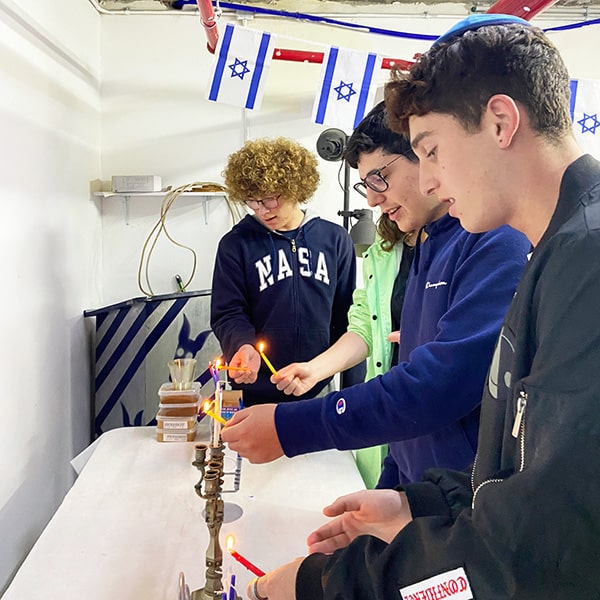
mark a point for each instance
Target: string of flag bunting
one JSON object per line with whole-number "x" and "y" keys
{"x": 242, "y": 59}
{"x": 347, "y": 84}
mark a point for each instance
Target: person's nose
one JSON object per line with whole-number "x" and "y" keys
{"x": 374, "y": 198}
{"x": 261, "y": 208}
{"x": 428, "y": 182}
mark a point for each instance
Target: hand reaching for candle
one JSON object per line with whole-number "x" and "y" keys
{"x": 251, "y": 432}
{"x": 247, "y": 357}
{"x": 296, "y": 378}
{"x": 279, "y": 584}
{"x": 381, "y": 513}
{"x": 394, "y": 337}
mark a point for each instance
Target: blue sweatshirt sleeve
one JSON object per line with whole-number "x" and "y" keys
{"x": 443, "y": 379}
{"x": 229, "y": 311}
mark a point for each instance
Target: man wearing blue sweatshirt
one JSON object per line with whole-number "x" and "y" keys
{"x": 427, "y": 406}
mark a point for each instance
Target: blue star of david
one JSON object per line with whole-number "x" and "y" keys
{"x": 239, "y": 68}
{"x": 591, "y": 128}
{"x": 339, "y": 89}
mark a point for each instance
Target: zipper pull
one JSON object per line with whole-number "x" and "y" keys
{"x": 521, "y": 404}
{"x": 293, "y": 245}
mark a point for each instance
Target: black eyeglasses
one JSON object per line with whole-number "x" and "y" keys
{"x": 268, "y": 202}
{"x": 374, "y": 180}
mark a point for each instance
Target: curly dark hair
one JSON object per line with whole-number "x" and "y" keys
{"x": 457, "y": 77}
{"x": 271, "y": 166}
{"x": 371, "y": 134}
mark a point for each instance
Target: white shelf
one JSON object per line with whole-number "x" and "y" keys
{"x": 203, "y": 196}
{"x": 207, "y": 195}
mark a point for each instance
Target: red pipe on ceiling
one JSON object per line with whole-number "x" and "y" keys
{"x": 207, "y": 16}
{"x": 508, "y": 7}
{"x": 317, "y": 57}
{"x": 519, "y": 8}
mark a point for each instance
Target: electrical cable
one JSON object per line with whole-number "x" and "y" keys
{"x": 160, "y": 227}
{"x": 339, "y": 176}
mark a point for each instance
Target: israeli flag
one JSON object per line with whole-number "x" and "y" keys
{"x": 347, "y": 90}
{"x": 242, "y": 60}
{"x": 585, "y": 106}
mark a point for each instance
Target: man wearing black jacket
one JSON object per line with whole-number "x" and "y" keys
{"x": 487, "y": 109}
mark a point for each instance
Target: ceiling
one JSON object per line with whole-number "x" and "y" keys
{"x": 319, "y": 7}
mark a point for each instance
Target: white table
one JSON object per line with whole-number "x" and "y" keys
{"x": 132, "y": 521}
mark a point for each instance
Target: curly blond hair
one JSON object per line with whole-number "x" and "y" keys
{"x": 271, "y": 166}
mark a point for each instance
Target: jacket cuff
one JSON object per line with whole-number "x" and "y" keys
{"x": 299, "y": 426}
{"x": 232, "y": 345}
{"x": 425, "y": 499}
{"x": 308, "y": 578}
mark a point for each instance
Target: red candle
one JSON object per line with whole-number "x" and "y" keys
{"x": 242, "y": 559}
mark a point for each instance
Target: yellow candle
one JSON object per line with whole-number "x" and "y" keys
{"x": 264, "y": 357}
{"x": 216, "y": 417}
{"x": 210, "y": 413}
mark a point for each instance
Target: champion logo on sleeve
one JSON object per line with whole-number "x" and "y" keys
{"x": 452, "y": 584}
{"x": 437, "y": 284}
{"x": 340, "y": 406}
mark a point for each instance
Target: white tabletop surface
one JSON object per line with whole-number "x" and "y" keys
{"x": 132, "y": 521}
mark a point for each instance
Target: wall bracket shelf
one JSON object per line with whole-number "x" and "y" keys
{"x": 204, "y": 197}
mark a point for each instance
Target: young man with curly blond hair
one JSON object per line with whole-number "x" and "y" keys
{"x": 282, "y": 275}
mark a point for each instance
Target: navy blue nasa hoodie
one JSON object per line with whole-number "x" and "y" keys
{"x": 291, "y": 291}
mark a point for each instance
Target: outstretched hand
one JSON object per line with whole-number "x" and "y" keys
{"x": 295, "y": 378}
{"x": 251, "y": 432}
{"x": 279, "y": 584}
{"x": 247, "y": 357}
{"x": 381, "y": 513}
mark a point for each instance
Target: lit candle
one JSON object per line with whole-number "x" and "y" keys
{"x": 241, "y": 559}
{"x": 216, "y": 433}
{"x": 264, "y": 357}
{"x": 214, "y": 372}
{"x": 210, "y": 413}
{"x": 229, "y": 368}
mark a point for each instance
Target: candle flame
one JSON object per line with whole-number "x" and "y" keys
{"x": 261, "y": 347}
{"x": 229, "y": 541}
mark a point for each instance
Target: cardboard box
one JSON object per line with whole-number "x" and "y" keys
{"x": 136, "y": 183}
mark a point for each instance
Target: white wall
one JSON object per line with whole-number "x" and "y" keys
{"x": 84, "y": 97}
{"x": 157, "y": 121}
{"x": 49, "y": 244}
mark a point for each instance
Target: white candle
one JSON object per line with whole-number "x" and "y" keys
{"x": 216, "y": 433}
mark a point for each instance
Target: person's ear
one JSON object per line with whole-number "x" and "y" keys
{"x": 505, "y": 117}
